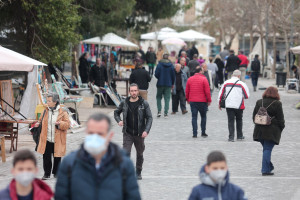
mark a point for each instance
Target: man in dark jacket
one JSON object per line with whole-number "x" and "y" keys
{"x": 151, "y": 60}
{"x": 165, "y": 74}
{"x": 142, "y": 78}
{"x": 193, "y": 51}
{"x": 255, "y": 70}
{"x": 84, "y": 67}
{"x": 233, "y": 63}
{"x": 143, "y": 56}
{"x": 99, "y": 169}
{"x": 193, "y": 64}
{"x": 215, "y": 181}
{"x": 98, "y": 74}
{"x": 136, "y": 122}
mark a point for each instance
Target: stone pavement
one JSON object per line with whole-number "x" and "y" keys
{"x": 173, "y": 158}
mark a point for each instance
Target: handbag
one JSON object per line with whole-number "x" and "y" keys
{"x": 36, "y": 131}
{"x": 262, "y": 117}
{"x": 223, "y": 100}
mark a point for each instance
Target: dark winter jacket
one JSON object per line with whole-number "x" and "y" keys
{"x": 165, "y": 73}
{"x": 209, "y": 190}
{"x": 233, "y": 63}
{"x": 192, "y": 52}
{"x": 144, "y": 115}
{"x": 150, "y": 57}
{"x": 79, "y": 179}
{"x": 255, "y": 65}
{"x": 220, "y": 65}
{"x": 98, "y": 75}
{"x": 84, "y": 70}
{"x": 184, "y": 79}
{"x": 141, "y": 77}
{"x": 40, "y": 191}
{"x": 270, "y": 132}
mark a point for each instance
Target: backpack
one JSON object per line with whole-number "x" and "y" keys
{"x": 262, "y": 117}
{"x": 255, "y": 66}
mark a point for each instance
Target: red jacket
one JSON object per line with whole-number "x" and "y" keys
{"x": 41, "y": 191}
{"x": 244, "y": 59}
{"x": 197, "y": 89}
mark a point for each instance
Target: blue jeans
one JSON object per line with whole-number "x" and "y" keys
{"x": 267, "y": 165}
{"x": 254, "y": 78}
{"x": 195, "y": 108}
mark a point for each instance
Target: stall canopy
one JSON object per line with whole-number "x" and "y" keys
{"x": 94, "y": 40}
{"x": 296, "y": 50}
{"x": 13, "y": 61}
{"x": 111, "y": 39}
{"x": 173, "y": 44}
{"x": 192, "y": 35}
{"x": 163, "y": 34}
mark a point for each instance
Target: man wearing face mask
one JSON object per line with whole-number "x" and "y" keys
{"x": 25, "y": 185}
{"x": 55, "y": 123}
{"x": 99, "y": 169}
{"x": 215, "y": 181}
{"x": 137, "y": 121}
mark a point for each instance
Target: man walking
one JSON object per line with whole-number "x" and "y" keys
{"x": 178, "y": 91}
{"x": 184, "y": 67}
{"x": 165, "y": 74}
{"x": 193, "y": 64}
{"x": 151, "y": 60}
{"x": 224, "y": 53}
{"x": 213, "y": 68}
{"x": 233, "y": 63}
{"x": 234, "y": 103}
{"x": 255, "y": 70}
{"x": 99, "y": 169}
{"x": 208, "y": 74}
{"x": 142, "y": 78}
{"x": 98, "y": 74}
{"x": 136, "y": 122}
{"x": 243, "y": 65}
{"x": 198, "y": 96}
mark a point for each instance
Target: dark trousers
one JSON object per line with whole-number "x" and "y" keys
{"x": 235, "y": 115}
{"x": 139, "y": 144}
{"x": 179, "y": 97}
{"x": 47, "y": 160}
{"x": 195, "y": 108}
{"x": 267, "y": 165}
{"x": 254, "y": 78}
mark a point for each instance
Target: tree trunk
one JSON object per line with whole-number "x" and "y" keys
{"x": 251, "y": 40}
{"x": 262, "y": 47}
{"x": 274, "y": 55}
{"x": 287, "y": 59}
{"x": 74, "y": 66}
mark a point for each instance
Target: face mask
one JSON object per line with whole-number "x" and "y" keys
{"x": 94, "y": 144}
{"x": 25, "y": 178}
{"x": 218, "y": 176}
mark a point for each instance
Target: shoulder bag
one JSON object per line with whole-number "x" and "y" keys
{"x": 223, "y": 100}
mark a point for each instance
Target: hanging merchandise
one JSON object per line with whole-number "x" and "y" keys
{"x": 96, "y": 50}
{"x": 92, "y": 49}
{"x": 82, "y": 48}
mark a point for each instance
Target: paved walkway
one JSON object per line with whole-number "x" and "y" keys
{"x": 173, "y": 158}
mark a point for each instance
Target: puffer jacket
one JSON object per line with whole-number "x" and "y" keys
{"x": 78, "y": 178}
{"x": 165, "y": 73}
{"x": 237, "y": 95}
{"x": 144, "y": 115}
{"x": 197, "y": 89}
{"x": 40, "y": 191}
{"x": 210, "y": 190}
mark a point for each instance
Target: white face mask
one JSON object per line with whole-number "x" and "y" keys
{"x": 94, "y": 144}
{"x": 25, "y": 178}
{"x": 218, "y": 176}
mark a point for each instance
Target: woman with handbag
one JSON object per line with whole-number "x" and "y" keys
{"x": 269, "y": 122}
{"x": 55, "y": 123}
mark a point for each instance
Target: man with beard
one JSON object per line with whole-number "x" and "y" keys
{"x": 136, "y": 123}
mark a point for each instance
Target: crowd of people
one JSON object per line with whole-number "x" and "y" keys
{"x": 100, "y": 169}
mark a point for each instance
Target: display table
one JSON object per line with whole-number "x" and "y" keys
{"x": 123, "y": 79}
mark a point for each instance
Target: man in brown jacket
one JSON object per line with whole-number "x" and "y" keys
{"x": 55, "y": 123}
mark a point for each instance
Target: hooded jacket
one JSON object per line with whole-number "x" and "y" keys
{"x": 210, "y": 190}
{"x": 144, "y": 115}
{"x": 165, "y": 73}
{"x": 41, "y": 191}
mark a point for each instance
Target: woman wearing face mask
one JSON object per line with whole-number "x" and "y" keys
{"x": 25, "y": 185}
{"x": 53, "y": 136}
{"x": 215, "y": 181}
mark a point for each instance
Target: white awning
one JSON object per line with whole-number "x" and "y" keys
{"x": 94, "y": 40}
{"x": 192, "y": 35}
{"x": 111, "y": 39}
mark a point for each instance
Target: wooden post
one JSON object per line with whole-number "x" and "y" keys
{"x": 3, "y": 156}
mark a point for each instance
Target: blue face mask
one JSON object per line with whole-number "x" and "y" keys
{"x": 94, "y": 144}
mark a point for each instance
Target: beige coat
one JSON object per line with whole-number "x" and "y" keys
{"x": 60, "y": 136}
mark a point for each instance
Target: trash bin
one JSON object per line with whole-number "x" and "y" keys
{"x": 280, "y": 78}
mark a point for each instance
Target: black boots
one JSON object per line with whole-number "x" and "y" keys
{"x": 139, "y": 174}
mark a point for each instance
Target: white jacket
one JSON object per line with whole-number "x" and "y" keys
{"x": 237, "y": 95}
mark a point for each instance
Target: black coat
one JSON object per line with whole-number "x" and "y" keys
{"x": 192, "y": 52}
{"x": 98, "y": 75}
{"x": 84, "y": 70}
{"x": 141, "y": 77}
{"x": 151, "y": 57}
{"x": 233, "y": 63}
{"x": 144, "y": 115}
{"x": 271, "y": 132}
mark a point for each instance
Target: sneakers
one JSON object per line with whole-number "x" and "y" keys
{"x": 165, "y": 116}
{"x": 241, "y": 138}
{"x": 158, "y": 114}
{"x": 139, "y": 175}
{"x": 184, "y": 112}
{"x": 230, "y": 140}
{"x": 173, "y": 113}
{"x": 267, "y": 174}
{"x": 204, "y": 135}
{"x": 194, "y": 136}
{"x": 45, "y": 177}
